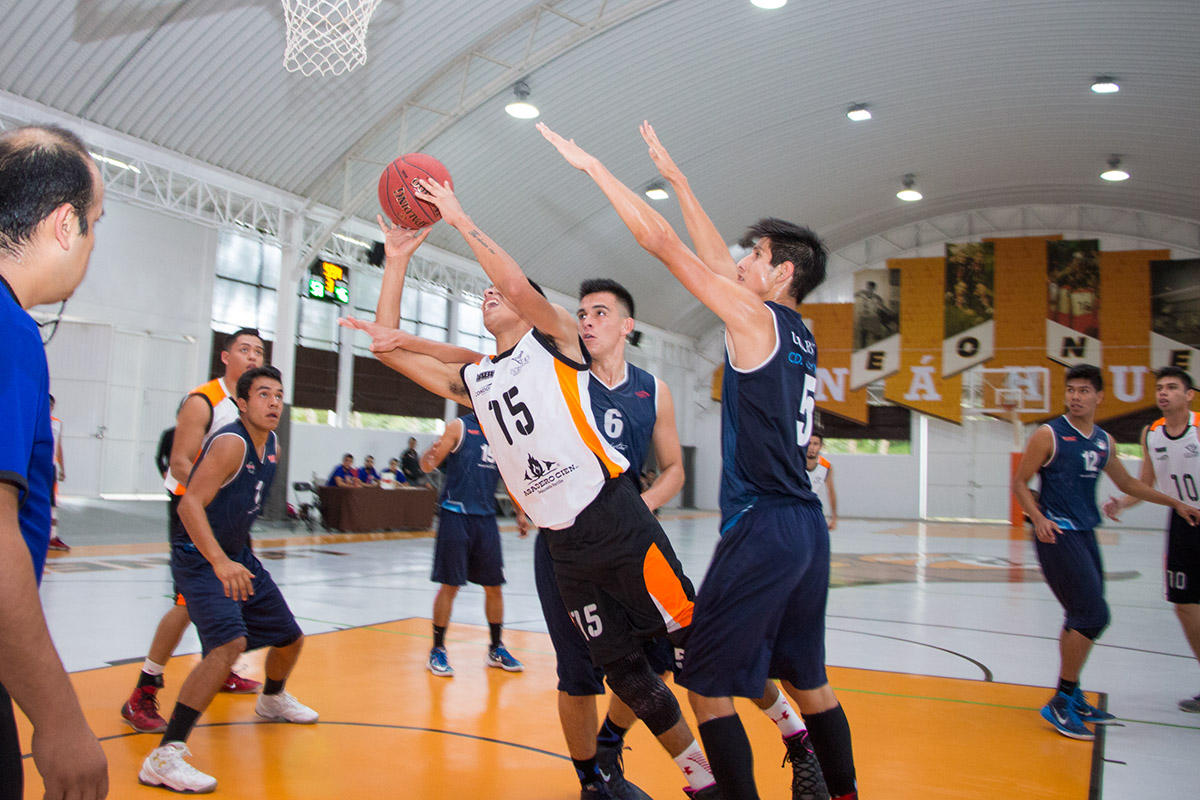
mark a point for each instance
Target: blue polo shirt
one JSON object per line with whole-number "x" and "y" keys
{"x": 340, "y": 472}
{"x": 27, "y": 447}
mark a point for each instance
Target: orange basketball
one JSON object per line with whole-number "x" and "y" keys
{"x": 398, "y": 190}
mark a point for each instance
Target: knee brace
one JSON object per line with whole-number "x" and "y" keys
{"x": 634, "y": 682}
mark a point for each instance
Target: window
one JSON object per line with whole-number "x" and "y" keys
{"x": 471, "y": 332}
{"x": 883, "y": 447}
{"x": 427, "y": 314}
{"x": 247, "y": 277}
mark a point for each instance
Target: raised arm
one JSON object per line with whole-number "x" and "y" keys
{"x": 399, "y": 244}
{"x": 506, "y": 275}
{"x": 748, "y": 322}
{"x": 432, "y": 458}
{"x": 710, "y": 247}
{"x": 667, "y": 452}
{"x": 441, "y": 378}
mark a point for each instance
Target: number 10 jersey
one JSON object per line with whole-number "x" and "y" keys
{"x": 1176, "y": 461}
{"x": 532, "y": 403}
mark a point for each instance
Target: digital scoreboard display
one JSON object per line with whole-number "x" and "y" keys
{"x": 329, "y": 282}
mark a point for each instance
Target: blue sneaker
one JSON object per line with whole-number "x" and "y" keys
{"x": 499, "y": 656}
{"x": 1060, "y": 713}
{"x": 439, "y": 663}
{"x": 1088, "y": 712}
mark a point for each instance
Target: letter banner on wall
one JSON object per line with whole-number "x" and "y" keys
{"x": 832, "y": 325}
{"x": 1073, "y": 302}
{"x": 968, "y": 318}
{"x": 876, "y": 326}
{"x": 1175, "y": 315}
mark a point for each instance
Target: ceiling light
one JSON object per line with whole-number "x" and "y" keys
{"x": 657, "y": 191}
{"x": 521, "y": 108}
{"x": 909, "y": 194}
{"x": 351, "y": 240}
{"x": 858, "y": 112}
{"x": 1105, "y": 84}
{"x": 769, "y": 4}
{"x": 115, "y": 163}
{"x": 1114, "y": 171}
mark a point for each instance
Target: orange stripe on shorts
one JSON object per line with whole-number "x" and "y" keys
{"x": 666, "y": 590}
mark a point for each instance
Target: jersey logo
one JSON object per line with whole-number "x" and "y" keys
{"x": 537, "y": 468}
{"x": 1068, "y": 438}
{"x": 1191, "y": 450}
{"x": 271, "y": 458}
{"x": 1103, "y": 445}
{"x": 250, "y": 467}
{"x": 484, "y": 375}
{"x": 642, "y": 393}
{"x": 519, "y": 361}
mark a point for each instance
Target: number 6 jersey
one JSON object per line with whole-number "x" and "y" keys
{"x": 1176, "y": 461}
{"x": 532, "y": 403}
{"x": 767, "y": 419}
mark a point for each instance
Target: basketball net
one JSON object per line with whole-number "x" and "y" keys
{"x": 326, "y": 36}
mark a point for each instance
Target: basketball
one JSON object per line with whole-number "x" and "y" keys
{"x": 398, "y": 190}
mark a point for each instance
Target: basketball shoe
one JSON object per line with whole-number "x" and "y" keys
{"x": 1088, "y": 712}
{"x": 140, "y": 711}
{"x": 807, "y": 781}
{"x": 236, "y": 684}
{"x": 283, "y": 707}
{"x": 58, "y": 544}
{"x": 612, "y": 766}
{"x": 499, "y": 656}
{"x": 596, "y": 790}
{"x": 439, "y": 663}
{"x": 707, "y": 793}
{"x": 1191, "y": 705}
{"x": 165, "y": 767}
{"x": 1060, "y": 713}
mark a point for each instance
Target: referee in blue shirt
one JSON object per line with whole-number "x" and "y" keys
{"x": 51, "y": 197}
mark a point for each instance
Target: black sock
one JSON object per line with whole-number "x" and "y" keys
{"x": 439, "y": 635}
{"x": 146, "y": 679}
{"x": 273, "y": 687}
{"x": 494, "y": 627}
{"x": 829, "y": 734}
{"x": 587, "y": 770}
{"x": 1067, "y": 687}
{"x": 611, "y": 732}
{"x": 179, "y": 728}
{"x": 730, "y": 757}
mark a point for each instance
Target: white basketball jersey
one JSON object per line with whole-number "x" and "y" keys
{"x": 1176, "y": 461}
{"x": 816, "y": 475}
{"x": 224, "y": 412}
{"x": 533, "y": 405}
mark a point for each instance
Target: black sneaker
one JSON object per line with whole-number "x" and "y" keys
{"x": 710, "y": 792}
{"x": 596, "y": 790}
{"x": 612, "y": 767}
{"x": 807, "y": 781}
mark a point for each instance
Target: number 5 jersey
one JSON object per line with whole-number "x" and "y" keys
{"x": 533, "y": 405}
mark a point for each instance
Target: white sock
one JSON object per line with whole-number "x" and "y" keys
{"x": 150, "y": 668}
{"x": 782, "y": 714}
{"x": 695, "y": 767}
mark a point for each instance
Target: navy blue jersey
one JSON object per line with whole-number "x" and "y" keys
{"x": 27, "y": 446}
{"x": 1068, "y": 479}
{"x": 237, "y": 503}
{"x": 626, "y": 415}
{"x": 767, "y": 418}
{"x": 471, "y": 472}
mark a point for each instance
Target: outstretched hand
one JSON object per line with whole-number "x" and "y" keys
{"x": 658, "y": 154}
{"x": 383, "y": 338}
{"x": 442, "y": 196}
{"x": 575, "y": 155}
{"x": 399, "y": 241}
{"x": 1112, "y": 509}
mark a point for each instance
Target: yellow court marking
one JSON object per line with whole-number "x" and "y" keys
{"x": 390, "y": 729}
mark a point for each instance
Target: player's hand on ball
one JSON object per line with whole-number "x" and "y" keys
{"x": 575, "y": 155}
{"x": 399, "y": 241}
{"x": 442, "y": 196}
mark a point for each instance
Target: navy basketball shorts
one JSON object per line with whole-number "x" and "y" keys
{"x": 618, "y": 575}
{"x": 577, "y": 675}
{"x": 264, "y": 619}
{"x": 1075, "y": 573}
{"x": 761, "y": 609}
{"x": 467, "y": 550}
{"x": 1183, "y": 561}
{"x": 172, "y": 519}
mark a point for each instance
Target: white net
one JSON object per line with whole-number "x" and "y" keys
{"x": 326, "y": 36}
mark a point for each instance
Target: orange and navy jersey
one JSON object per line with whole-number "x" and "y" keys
{"x": 224, "y": 411}
{"x": 1176, "y": 460}
{"x": 533, "y": 405}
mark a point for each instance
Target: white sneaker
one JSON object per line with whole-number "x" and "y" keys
{"x": 165, "y": 767}
{"x": 283, "y": 707}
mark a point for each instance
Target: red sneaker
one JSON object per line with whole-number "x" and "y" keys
{"x": 140, "y": 711}
{"x": 58, "y": 544}
{"x": 236, "y": 684}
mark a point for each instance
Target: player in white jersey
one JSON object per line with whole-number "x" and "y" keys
{"x": 1171, "y": 460}
{"x": 820, "y": 475}
{"x": 617, "y": 572}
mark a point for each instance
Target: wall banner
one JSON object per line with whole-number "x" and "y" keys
{"x": 969, "y": 336}
{"x": 876, "y": 326}
{"x": 832, "y": 324}
{"x": 1073, "y": 302}
{"x": 1175, "y": 315}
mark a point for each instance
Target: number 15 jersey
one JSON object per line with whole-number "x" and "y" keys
{"x": 532, "y": 403}
{"x": 767, "y": 419}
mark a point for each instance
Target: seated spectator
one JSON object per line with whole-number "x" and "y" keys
{"x": 392, "y": 476}
{"x": 410, "y": 463}
{"x": 367, "y": 475}
{"x": 344, "y": 474}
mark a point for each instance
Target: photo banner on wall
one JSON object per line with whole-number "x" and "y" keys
{"x": 1175, "y": 315}
{"x": 1073, "y": 302}
{"x": 876, "y": 326}
{"x": 968, "y": 318}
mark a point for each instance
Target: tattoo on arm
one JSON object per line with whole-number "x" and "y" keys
{"x": 477, "y": 236}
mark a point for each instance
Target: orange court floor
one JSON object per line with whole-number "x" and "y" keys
{"x": 389, "y": 728}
